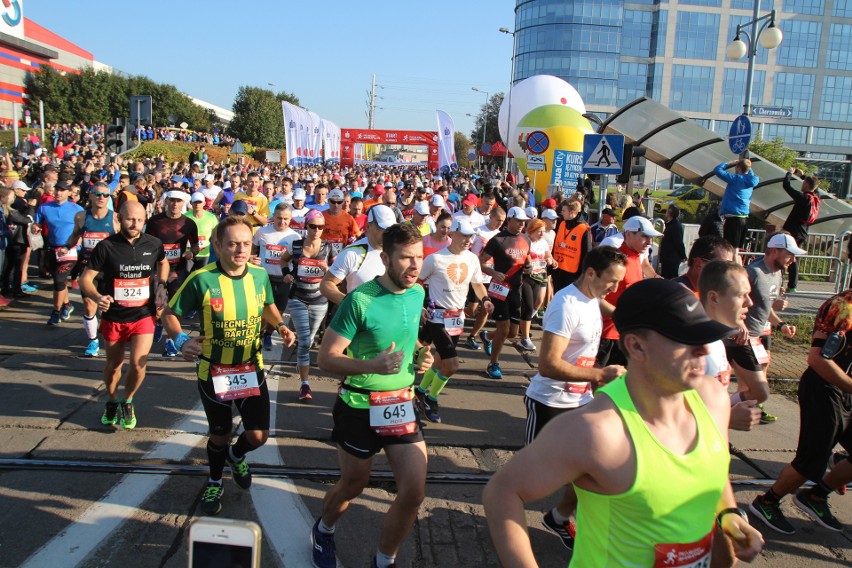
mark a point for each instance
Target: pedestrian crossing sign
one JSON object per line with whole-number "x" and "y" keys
{"x": 602, "y": 153}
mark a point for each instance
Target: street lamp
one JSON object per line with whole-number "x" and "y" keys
{"x": 769, "y": 36}
{"x": 484, "y": 120}
{"x": 509, "y": 108}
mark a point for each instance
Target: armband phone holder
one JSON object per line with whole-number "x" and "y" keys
{"x": 833, "y": 346}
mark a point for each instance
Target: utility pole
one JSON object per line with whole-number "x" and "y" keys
{"x": 371, "y": 104}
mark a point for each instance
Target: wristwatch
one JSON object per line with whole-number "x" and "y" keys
{"x": 729, "y": 511}
{"x": 485, "y": 299}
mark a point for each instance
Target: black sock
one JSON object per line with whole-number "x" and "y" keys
{"x": 241, "y": 447}
{"x": 821, "y": 490}
{"x": 216, "y": 456}
{"x": 771, "y": 496}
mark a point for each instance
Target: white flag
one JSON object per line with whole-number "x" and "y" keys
{"x": 446, "y": 141}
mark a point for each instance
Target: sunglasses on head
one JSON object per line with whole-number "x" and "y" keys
{"x": 99, "y": 194}
{"x": 316, "y": 227}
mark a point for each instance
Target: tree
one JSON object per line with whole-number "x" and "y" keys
{"x": 461, "y": 144}
{"x": 489, "y": 112}
{"x": 50, "y": 87}
{"x": 775, "y": 152}
{"x": 258, "y": 117}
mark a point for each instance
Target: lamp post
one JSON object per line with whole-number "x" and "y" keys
{"x": 769, "y": 36}
{"x": 509, "y": 108}
{"x": 484, "y": 120}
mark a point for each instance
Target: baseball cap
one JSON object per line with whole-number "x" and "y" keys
{"x": 196, "y": 197}
{"x": 356, "y": 194}
{"x": 517, "y": 213}
{"x": 786, "y": 242}
{"x": 18, "y": 184}
{"x": 382, "y": 216}
{"x": 176, "y": 178}
{"x": 335, "y": 194}
{"x": 299, "y": 194}
{"x": 531, "y": 212}
{"x": 63, "y": 185}
{"x": 209, "y": 177}
{"x": 462, "y": 226}
{"x": 437, "y": 201}
{"x": 421, "y": 207}
{"x": 388, "y": 185}
{"x": 549, "y": 214}
{"x": 608, "y": 211}
{"x": 668, "y": 308}
{"x": 183, "y": 196}
{"x": 379, "y": 190}
{"x": 642, "y": 225}
{"x": 239, "y": 207}
{"x": 549, "y": 203}
{"x": 471, "y": 199}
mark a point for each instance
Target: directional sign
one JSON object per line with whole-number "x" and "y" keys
{"x": 761, "y": 111}
{"x": 602, "y": 153}
{"x": 740, "y": 134}
{"x": 486, "y": 148}
{"x": 537, "y": 142}
{"x": 535, "y": 162}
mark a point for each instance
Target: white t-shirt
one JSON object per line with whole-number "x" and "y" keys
{"x": 550, "y": 237}
{"x": 297, "y": 222}
{"x": 271, "y": 244}
{"x": 354, "y": 267}
{"x": 476, "y": 219}
{"x": 615, "y": 241}
{"x": 716, "y": 363}
{"x": 210, "y": 193}
{"x": 449, "y": 276}
{"x": 483, "y": 235}
{"x": 572, "y": 315}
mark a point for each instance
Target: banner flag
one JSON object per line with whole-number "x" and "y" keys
{"x": 446, "y": 141}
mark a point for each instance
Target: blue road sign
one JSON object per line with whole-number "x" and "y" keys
{"x": 602, "y": 153}
{"x": 471, "y": 154}
{"x": 486, "y": 148}
{"x": 537, "y": 142}
{"x": 740, "y": 134}
{"x": 762, "y": 111}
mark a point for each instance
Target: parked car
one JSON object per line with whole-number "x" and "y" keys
{"x": 694, "y": 203}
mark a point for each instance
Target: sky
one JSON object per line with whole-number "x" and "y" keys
{"x": 426, "y": 56}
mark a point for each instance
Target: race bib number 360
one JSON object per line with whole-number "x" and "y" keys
{"x": 391, "y": 413}
{"x": 231, "y": 382}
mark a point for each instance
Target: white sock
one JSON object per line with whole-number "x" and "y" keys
{"x": 325, "y": 529}
{"x": 558, "y": 517}
{"x": 216, "y": 481}
{"x": 90, "y": 326}
{"x": 383, "y": 560}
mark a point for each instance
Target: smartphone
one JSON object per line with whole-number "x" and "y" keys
{"x": 834, "y": 344}
{"x": 223, "y": 543}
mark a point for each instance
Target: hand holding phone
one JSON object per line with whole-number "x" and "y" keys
{"x": 215, "y": 543}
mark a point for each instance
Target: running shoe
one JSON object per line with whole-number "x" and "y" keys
{"x": 267, "y": 342}
{"x": 110, "y": 416}
{"x": 483, "y": 335}
{"x": 430, "y": 409}
{"x": 836, "y": 458}
{"x": 158, "y": 332}
{"x": 211, "y": 499}
{"x": 171, "y": 349}
{"x": 323, "y": 555}
{"x": 29, "y": 288}
{"x": 472, "y": 343}
{"x": 55, "y": 318}
{"x": 765, "y": 417}
{"x": 75, "y": 284}
{"x": 4, "y": 301}
{"x": 92, "y": 349}
{"x": 66, "y": 312}
{"x": 305, "y": 392}
{"x": 526, "y": 344}
{"x": 791, "y": 291}
{"x": 20, "y": 294}
{"x": 240, "y": 472}
{"x": 566, "y": 532}
{"x": 493, "y": 371}
{"x": 128, "y": 416}
{"x": 771, "y": 515}
{"x": 817, "y": 510}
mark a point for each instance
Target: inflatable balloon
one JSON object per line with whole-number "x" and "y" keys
{"x": 529, "y": 94}
{"x": 564, "y": 128}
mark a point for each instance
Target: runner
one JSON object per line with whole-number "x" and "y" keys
{"x": 340, "y": 228}
{"x": 534, "y": 283}
{"x": 704, "y": 250}
{"x": 206, "y": 222}
{"x": 258, "y": 205}
{"x": 419, "y": 214}
{"x": 371, "y": 342}
{"x": 496, "y": 218}
{"x": 58, "y": 216}
{"x": 510, "y": 249}
{"x": 469, "y": 212}
{"x": 234, "y": 299}
{"x": 448, "y": 274}
{"x": 125, "y": 278}
{"x": 566, "y": 375}
{"x": 657, "y": 476}
{"x": 93, "y": 225}
{"x": 297, "y": 222}
{"x": 440, "y": 238}
{"x": 825, "y": 421}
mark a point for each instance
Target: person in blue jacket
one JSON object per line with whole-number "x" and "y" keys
{"x": 735, "y": 203}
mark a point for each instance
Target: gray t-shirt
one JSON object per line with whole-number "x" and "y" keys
{"x": 765, "y": 286}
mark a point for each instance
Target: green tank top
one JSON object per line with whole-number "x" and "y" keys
{"x": 673, "y": 499}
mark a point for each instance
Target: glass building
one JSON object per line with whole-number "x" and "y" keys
{"x": 615, "y": 51}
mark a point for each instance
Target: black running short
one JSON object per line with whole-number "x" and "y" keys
{"x": 352, "y": 432}
{"x": 742, "y": 355}
{"x": 539, "y": 414}
{"x": 445, "y": 344}
{"x": 254, "y": 410}
{"x": 510, "y": 308}
{"x": 610, "y": 354}
{"x": 58, "y": 270}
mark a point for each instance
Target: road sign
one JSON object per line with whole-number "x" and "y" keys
{"x": 740, "y": 134}
{"x": 537, "y": 142}
{"x": 602, "y": 153}
{"x": 486, "y": 148}
{"x": 762, "y": 111}
{"x": 471, "y": 154}
{"x": 535, "y": 163}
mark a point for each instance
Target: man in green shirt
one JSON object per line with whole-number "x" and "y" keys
{"x": 373, "y": 342}
{"x": 206, "y": 222}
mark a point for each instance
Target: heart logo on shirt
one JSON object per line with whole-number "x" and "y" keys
{"x": 457, "y": 273}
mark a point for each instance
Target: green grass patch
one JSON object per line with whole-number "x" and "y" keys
{"x": 7, "y": 137}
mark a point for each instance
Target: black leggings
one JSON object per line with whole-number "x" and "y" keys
{"x": 529, "y": 287}
{"x": 11, "y": 278}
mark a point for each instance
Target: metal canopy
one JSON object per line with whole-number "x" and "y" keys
{"x": 681, "y": 146}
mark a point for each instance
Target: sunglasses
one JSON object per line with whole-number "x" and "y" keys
{"x": 335, "y": 202}
{"x": 99, "y": 194}
{"x": 316, "y": 227}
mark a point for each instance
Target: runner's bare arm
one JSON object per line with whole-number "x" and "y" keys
{"x": 329, "y": 288}
{"x": 747, "y": 540}
{"x": 79, "y": 221}
{"x": 272, "y": 316}
{"x": 607, "y": 309}
{"x": 553, "y": 366}
{"x": 482, "y": 292}
{"x": 484, "y": 257}
{"x": 89, "y": 290}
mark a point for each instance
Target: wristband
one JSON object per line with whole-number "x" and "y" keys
{"x": 732, "y": 510}
{"x": 781, "y": 324}
{"x": 180, "y": 340}
{"x": 485, "y": 299}
{"x": 281, "y": 324}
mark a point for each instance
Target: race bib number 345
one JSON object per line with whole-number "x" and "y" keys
{"x": 231, "y": 382}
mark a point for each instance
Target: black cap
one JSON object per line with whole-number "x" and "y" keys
{"x": 669, "y": 309}
{"x": 62, "y": 185}
{"x": 240, "y": 207}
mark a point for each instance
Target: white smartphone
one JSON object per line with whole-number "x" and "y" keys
{"x": 223, "y": 543}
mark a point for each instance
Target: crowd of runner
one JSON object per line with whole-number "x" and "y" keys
{"x": 385, "y": 267}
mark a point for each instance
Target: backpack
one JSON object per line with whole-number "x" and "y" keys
{"x": 814, "y": 202}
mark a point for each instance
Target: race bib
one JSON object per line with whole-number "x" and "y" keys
{"x": 537, "y": 266}
{"x": 90, "y": 240}
{"x": 577, "y": 388}
{"x": 310, "y": 270}
{"x": 585, "y": 362}
{"x": 498, "y": 290}
{"x": 453, "y": 322}
{"x": 690, "y": 555}
{"x": 203, "y": 242}
{"x": 273, "y": 254}
{"x": 336, "y": 247}
{"x": 172, "y": 252}
{"x": 231, "y": 382}
{"x": 760, "y": 352}
{"x": 131, "y": 292}
{"x": 299, "y": 227}
{"x": 391, "y": 413}
{"x": 69, "y": 256}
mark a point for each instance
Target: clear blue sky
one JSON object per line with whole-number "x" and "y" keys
{"x": 426, "y": 55}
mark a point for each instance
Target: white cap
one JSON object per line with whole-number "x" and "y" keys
{"x": 549, "y": 214}
{"x": 18, "y": 184}
{"x": 642, "y": 225}
{"x": 531, "y": 212}
{"x": 196, "y": 197}
{"x": 437, "y": 201}
{"x": 381, "y": 215}
{"x": 517, "y": 213}
{"x": 463, "y": 226}
{"x": 335, "y": 194}
{"x": 786, "y": 242}
{"x": 299, "y": 194}
{"x": 177, "y": 195}
{"x": 209, "y": 177}
{"x": 421, "y": 207}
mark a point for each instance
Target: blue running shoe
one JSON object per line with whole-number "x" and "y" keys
{"x": 483, "y": 335}
{"x": 66, "y": 312}
{"x": 54, "y": 319}
{"x": 493, "y": 371}
{"x": 323, "y": 555}
{"x": 171, "y": 350}
{"x": 29, "y": 288}
{"x": 92, "y": 349}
